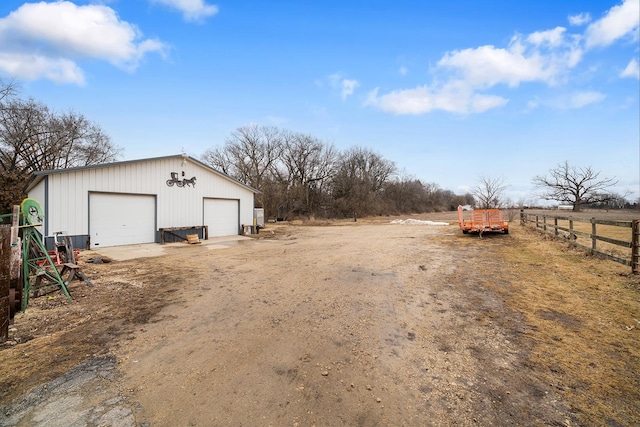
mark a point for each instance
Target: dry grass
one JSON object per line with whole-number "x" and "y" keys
{"x": 584, "y": 319}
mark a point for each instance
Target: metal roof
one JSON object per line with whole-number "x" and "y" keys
{"x": 38, "y": 176}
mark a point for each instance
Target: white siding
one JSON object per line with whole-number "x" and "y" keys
{"x": 68, "y": 192}
{"x": 38, "y": 194}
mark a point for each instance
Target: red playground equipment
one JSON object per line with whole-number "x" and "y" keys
{"x": 483, "y": 221}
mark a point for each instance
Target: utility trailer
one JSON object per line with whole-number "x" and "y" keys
{"x": 483, "y": 221}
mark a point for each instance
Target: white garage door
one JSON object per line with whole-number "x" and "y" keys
{"x": 121, "y": 219}
{"x": 222, "y": 216}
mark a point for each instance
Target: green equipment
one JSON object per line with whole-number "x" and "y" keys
{"x": 39, "y": 271}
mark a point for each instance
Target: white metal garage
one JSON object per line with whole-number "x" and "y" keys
{"x": 139, "y": 201}
{"x": 121, "y": 219}
{"x": 222, "y": 216}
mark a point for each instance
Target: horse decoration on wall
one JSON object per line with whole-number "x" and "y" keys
{"x": 181, "y": 182}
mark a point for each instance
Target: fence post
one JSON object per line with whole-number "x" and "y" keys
{"x": 593, "y": 235}
{"x": 635, "y": 247}
{"x": 537, "y": 222}
{"x": 522, "y": 219}
{"x": 555, "y": 226}
{"x": 571, "y": 235}
{"x": 544, "y": 223}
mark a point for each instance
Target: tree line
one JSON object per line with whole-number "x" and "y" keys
{"x": 299, "y": 175}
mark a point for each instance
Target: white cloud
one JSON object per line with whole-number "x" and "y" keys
{"x": 581, "y": 99}
{"x": 461, "y": 78}
{"x": 580, "y": 19}
{"x": 346, "y": 86}
{"x": 33, "y": 67}
{"x": 631, "y": 70}
{"x": 567, "y": 101}
{"x": 192, "y": 10}
{"x": 58, "y": 34}
{"x": 620, "y": 21}
{"x": 577, "y": 100}
{"x": 543, "y": 56}
{"x": 454, "y": 98}
{"x": 481, "y": 103}
{"x": 403, "y": 71}
{"x": 532, "y": 105}
{"x": 487, "y": 66}
{"x": 553, "y": 37}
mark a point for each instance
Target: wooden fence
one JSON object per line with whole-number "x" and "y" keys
{"x": 549, "y": 224}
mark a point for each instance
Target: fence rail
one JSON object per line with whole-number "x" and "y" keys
{"x": 549, "y": 224}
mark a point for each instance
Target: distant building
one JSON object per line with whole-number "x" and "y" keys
{"x": 565, "y": 207}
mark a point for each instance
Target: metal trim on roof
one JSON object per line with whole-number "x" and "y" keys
{"x": 41, "y": 174}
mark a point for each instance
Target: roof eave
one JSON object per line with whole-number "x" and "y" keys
{"x": 38, "y": 176}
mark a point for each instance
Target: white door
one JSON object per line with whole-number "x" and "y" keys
{"x": 222, "y": 216}
{"x": 121, "y": 219}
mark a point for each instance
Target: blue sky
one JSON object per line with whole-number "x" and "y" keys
{"x": 449, "y": 91}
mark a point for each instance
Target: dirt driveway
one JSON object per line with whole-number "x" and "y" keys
{"x": 343, "y": 324}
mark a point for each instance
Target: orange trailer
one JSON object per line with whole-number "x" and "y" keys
{"x": 483, "y": 221}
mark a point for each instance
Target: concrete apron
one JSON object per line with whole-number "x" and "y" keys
{"x": 147, "y": 250}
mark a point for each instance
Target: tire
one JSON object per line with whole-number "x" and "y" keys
{"x": 170, "y": 182}
{"x": 506, "y": 231}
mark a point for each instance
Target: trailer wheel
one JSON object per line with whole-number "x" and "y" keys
{"x": 465, "y": 231}
{"x": 506, "y": 231}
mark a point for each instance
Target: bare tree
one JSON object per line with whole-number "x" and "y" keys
{"x": 489, "y": 193}
{"x": 300, "y": 175}
{"x": 309, "y": 164}
{"x": 406, "y": 194}
{"x": 7, "y": 89}
{"x": 33, "y": 138}
{"x": 250, "y": 155}
{"x": 359, "y": 182}
{"x": 576, "y": 185}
